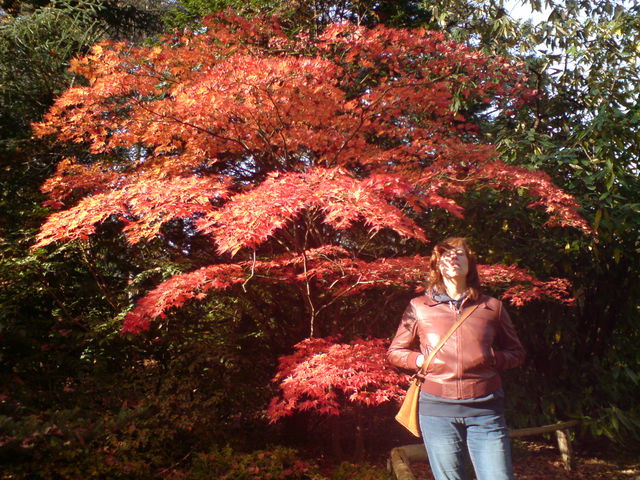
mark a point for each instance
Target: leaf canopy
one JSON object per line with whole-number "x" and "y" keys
{"x": 281, "y": 146}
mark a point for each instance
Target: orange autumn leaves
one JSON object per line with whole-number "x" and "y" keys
{"x": 282, "y": 146}
{"x": 341, "y": 200}
{"x": 142, "y": 206}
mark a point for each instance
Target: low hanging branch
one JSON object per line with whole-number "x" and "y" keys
{"x": 330, "y": 270}
{"x": 323, "y": 375}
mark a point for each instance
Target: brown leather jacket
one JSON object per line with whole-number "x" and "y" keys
{"x": 467, "y": 366}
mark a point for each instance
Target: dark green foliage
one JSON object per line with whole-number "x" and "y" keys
{"x": 35, "y": 50}
{"x": 17, "y": 7}
{"x": 312, "y": 15}
{"x": 127, "y": 408}
{"x": 583, "y": 129}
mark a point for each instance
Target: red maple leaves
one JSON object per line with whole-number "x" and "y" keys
{"x": 178, "y": 290}
{"x": 143, "y": 206}
{"x": 334, "y": 273}
{"x": 323, "y": 375}
{"x": 300, "y": 149}
{"x": 252, "y": 217}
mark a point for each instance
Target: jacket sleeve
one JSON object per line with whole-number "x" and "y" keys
{"x": 508, "y": 350}
{"x": 400, "y": 352}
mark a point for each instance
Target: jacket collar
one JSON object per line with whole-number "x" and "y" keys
{"x": 431, "y": 302}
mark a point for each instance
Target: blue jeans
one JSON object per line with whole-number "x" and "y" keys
{"x": 485, "y": 438}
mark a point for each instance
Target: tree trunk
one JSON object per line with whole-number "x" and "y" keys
{"x": 336, "y": 437}
{"x": 359, "y": 440}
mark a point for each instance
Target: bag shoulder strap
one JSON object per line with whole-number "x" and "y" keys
{"x": 446, "y": 336}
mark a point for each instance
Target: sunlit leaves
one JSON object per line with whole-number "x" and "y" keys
{"x": 178, "y": 290}
{"x": 561, "y": 207}
{"x": 142, "y": 207}
{"x": 294, "y": 151}
{"x": 322, "y": 375}
{"x": 250, "y": 218}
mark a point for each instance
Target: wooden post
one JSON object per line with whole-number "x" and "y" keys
{"x": 400, "y": 464}
{"x": 564, "y": 445}
{"x": 562, "y": 435}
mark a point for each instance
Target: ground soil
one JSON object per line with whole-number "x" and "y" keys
{"x": 541, "y": 461}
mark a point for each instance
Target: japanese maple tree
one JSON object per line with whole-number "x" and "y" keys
{"x": 291, "y": 156}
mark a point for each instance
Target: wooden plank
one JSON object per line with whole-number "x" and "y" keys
{"x": 524, "y": 432}
{"x": 415, "y": 452}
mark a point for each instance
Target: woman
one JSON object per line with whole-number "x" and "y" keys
{"x": 461, "y": 405}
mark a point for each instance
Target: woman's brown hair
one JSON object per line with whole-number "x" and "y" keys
{"x": 435, "y": 283}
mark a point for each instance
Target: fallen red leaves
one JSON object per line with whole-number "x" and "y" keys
{"x": 540, "y": 461}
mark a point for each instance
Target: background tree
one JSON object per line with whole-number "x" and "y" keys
{"x": 35, "y": 49}
{"x": 311, "y": 15}
{"x": 582, "y": 129}
{"x": 60, "y": 352}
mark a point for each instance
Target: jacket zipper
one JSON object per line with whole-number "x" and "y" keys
{"x": 458, "y": 313}
{"x": 458, "y": 359}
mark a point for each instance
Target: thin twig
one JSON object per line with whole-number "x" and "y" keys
{"x": 160, "y": 473}
{"x": 253, "y": 270}
{"x": 308, "y": 286}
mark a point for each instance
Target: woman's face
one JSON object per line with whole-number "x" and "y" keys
{"x": 454, "y": 263}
